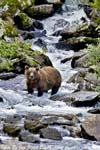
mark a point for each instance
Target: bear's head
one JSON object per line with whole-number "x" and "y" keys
{"x": 32, "y": 73}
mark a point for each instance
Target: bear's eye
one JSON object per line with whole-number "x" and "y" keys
{"x": 37, "y": 69}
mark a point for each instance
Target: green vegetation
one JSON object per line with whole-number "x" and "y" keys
{"x": 95, "y": 14}
{"x": 25, "y": 20}
{"x": 94, "y": 3}
{"x": 15, "y": 5}
{"x": 94, "y": 59}
{"x": 7, "y": 29}
{"x": 12, "y": 52}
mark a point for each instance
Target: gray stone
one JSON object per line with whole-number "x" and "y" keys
{"x": 50, "y": 133}
{"x": 85, "y": 98}
{"x": 55, "y": 120}
{"x": 40, "y": 11}
{"x": 78, "y": 99}
{"x": 28, "y": 137}
{"x": 91, "y": 127}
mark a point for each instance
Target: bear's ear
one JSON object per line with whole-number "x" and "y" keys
{"x": 26, "y": 67}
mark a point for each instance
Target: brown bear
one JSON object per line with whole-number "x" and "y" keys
{"x": 42, "y": 79}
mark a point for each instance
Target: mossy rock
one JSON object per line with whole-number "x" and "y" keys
{"x": 11, "y": 129}
{"x": 22, "y": 21}
{"x": 40, "y": 11}
{"x": 14, "y": 5}
{"x": 34, "y": 126}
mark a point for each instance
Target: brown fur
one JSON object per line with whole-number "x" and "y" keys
{"x": 42, "y": 79}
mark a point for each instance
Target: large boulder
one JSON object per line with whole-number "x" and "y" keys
{"x": 28, "y": 137}
{"x": 85, "y": 98}
{"x": 91, "y": 127}
{"x": 50, "y": 133}
{"x": 86, "y": 29}
{"x": 56, "y": 3}
{"x": 24, "y": 22}
{"x": 80, "y": 59}
{"x": 78, "y": 36}
{"x": 34, "y": 126}
{"x": 40, "y": 11}
{"x": 79, "y": 99}
{"x": 80, "y": 42}
{"x": 11, "y": 129}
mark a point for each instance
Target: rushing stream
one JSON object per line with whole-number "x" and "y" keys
{"x": 17, "y": 101}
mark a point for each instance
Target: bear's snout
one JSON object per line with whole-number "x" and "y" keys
{"x": 32, "y": 76}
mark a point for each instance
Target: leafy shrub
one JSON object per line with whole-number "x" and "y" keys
{"x": 10, "y": 52}
{"x": 94, "y": 3}
{"x": 94, "y": 59}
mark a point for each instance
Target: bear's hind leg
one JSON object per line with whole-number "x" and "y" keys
{"x": 54, "y": 90}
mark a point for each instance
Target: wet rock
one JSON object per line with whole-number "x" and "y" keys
{"x": 54, "y": 1}
{"x": 87, "y": 8}
{"x": 11, "y": 129}
{"x": 31, "y": 34}
{"x": 82, "y": 70}
{"x": 32, "y": 116}
{"x": 10, "y": 97}
{"x": 33, "y": 126}
{"x": 1, "y": 99}
{"x": 52, "y": 120}
{"x": 74, "y": 131}
{"x": 79, "y": 99}
{"x": 78, "y": 36}
{"x": 81, "y": 62}
{"x": 41, "y": 43}
{"x": 28, "y": 137}
{"x": 87, "y": 81}
{"x": 79, "y": 59}
{"x": 37, "y": 24}
{"x": 40, "y": 59}
{"x": 67, "y": 98}
{"x": 24, "y": 22}
{"x": 92, "y": 79}
{"x": 50, "y": 133}
{"x": 85, "y": 98}
{"x": 95, "y": 110}
{"x": 40, "y": 11}
{"x": 77, "y": 43}
{"x": 43, "y": 60}
{"x": 13, "y": 119}
{"x": 66, "y": 59}
{"x": 84, "y": 30}
{"x": 6, "y": 76}
{"x": 59, "y": 24}
{"x": 76, "y": 78}
{"x": 91, "y": 127}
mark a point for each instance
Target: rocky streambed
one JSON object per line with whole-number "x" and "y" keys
{"x": 70, "y": 119}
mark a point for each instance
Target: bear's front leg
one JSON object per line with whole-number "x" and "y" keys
{"x": 30, "y": 89}
{"x": 40, "y": 92}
